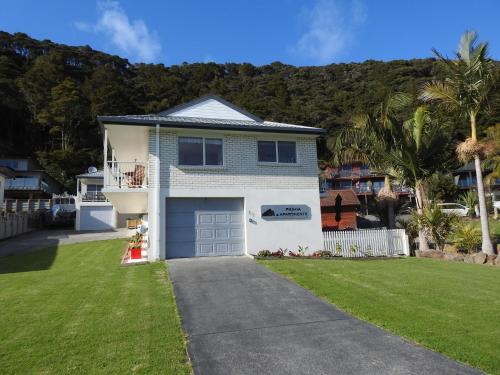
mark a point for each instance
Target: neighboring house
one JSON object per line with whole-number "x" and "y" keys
{"x": 5, "y": 174}
{"x": 358, "y": 177}
{"x": 30, "y": 181}
{"x": 93, "y": 210}
{"x": 465, "y": 178}
{"x": 213, "y": 179}
{"x": 348, "y": 207}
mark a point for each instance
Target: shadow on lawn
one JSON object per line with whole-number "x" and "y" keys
{"x": 39, "y": 260}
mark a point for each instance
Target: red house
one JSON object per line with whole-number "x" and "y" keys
{"x": 349, "y": 204}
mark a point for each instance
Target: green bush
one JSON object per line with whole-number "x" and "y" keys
{"x": 264, "y": 253}
{"x": 467, "y": 238}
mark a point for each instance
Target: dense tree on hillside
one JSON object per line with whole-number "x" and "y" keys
{"x": 39, "y": 79}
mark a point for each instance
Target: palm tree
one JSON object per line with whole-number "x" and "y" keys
{"x": 467, "y": 87}
{"x": 368, "y": 139}
{"x": 416, "y": 155}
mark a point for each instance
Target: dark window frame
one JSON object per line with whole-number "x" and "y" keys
{"x": 277, "y": 153}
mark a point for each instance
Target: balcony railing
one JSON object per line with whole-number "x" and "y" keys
{"x": 93, "y": 196}
{"x": 126, "y": 175}
{"x": 22, "y": 183}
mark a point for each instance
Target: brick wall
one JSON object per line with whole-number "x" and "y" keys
{"x": 241, "y": 168}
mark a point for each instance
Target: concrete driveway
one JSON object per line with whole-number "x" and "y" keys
{"x": 40, "y": 239}
{"x": 244, "y": 319}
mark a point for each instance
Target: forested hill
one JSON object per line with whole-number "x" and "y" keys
{"x": 50, "y": 94}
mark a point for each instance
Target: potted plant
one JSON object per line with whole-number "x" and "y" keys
{"x": 135, "y": 246}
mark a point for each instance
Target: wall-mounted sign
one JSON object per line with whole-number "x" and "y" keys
{"x": 286, "y": 212}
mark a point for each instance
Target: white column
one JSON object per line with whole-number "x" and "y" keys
{"x": 105, "y": 169}
{"x": 157, "y": 198}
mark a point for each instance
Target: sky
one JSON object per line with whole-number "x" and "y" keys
{"x": 296, "y": 32}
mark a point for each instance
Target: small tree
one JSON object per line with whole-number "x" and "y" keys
{"x": 469, "y": 199}
{"x": 435, "y": 224}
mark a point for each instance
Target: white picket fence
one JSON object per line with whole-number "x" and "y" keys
{"x": 13, "y": 224}
{"x": 367, "y": 243}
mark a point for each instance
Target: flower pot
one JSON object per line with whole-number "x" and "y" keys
{"x": 135, "y": 253}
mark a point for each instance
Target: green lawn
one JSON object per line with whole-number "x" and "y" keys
{"x": 494, "y": 226}
{"x": 76, "y": 310}
{"x": 453, "y": 308}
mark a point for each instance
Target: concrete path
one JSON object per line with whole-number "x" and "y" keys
{"x": 40, "y": 239}
{"x": 244, "y": 319}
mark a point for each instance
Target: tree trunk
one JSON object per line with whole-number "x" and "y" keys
{"x": 390, "y": 204}
{"x": 423, "y": 245}
{"x": 487, "y": 246}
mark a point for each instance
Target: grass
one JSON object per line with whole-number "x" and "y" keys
{"x": 453, "y": 308}
{"x": 74, "y": 309}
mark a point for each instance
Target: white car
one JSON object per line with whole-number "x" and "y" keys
{"x": 454, "y": 208}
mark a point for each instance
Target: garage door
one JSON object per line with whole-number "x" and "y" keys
{"x": 204, "y": 227}
{"x": 96, "y": 218}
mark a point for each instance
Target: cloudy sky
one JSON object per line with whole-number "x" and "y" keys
{"x": 298, "y": 32}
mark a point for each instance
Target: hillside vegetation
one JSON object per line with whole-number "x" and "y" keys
{"x": 50, "y": 95}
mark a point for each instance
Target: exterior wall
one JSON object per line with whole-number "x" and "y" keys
{"x": 240, "y": 177}
{"x": 347, "y": 218}
{"x": 2, "y": 187}
{"x": 240, "y": 169}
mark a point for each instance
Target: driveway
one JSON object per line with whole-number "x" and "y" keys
{"x": 40, "y": 239}
{"x": 241, "y": 318}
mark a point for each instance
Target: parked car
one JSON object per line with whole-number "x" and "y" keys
{"x": 454, "y": 208}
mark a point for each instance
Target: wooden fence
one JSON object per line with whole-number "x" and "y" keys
{"x": 14, "y": 224}
{"x": 367, "y": 243}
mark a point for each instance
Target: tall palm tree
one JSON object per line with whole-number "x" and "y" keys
{"x": 416, "y": 155}
{"x": 469, "y": 83}
{"x": 368, "y": 139}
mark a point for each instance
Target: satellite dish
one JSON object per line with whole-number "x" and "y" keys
{"x": 92, "y": 169}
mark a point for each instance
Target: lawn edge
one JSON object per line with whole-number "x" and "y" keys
{"x": 184, "y": 334}
{"x": 404, "y": 338}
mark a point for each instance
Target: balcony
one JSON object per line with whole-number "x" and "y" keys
{"x": 22, "y": 183}
{"x": 125, "y": 186}
{"x": 93, "y": 196}
{"x": 126, "y": 175}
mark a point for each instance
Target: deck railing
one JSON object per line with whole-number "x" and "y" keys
{"x": 125, "y": 175}
{"x": 367, "y": 243}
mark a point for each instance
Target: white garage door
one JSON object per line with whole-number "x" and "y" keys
{"x": 96, "y": 218}
{"x": 204, "y": 227}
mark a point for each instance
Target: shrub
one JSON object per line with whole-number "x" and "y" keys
{"x": 436, "y": 224}
{"x": 302, "y": 250}
{"x": 294, "y": 254}
{"x": 279, "y": 253}
{"x": 322, "y": 254}
{"x": 264, "y": 253}
{"x": 467, "y": 238}
{"x": 470, "y": 200}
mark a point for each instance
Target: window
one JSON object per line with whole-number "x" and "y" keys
{"x": 277, "y": 152}
{"x": 94, "y": 187}
{"x": 200, "y": 151}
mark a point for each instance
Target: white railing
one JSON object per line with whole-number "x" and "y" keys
{"x": 124, "y": 175}
{"x": 367, "y": 243}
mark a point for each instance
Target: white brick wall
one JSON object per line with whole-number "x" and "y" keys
{"x": 241, "y": 168}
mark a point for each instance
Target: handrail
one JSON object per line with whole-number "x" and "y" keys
{"x": 126, "y": 175}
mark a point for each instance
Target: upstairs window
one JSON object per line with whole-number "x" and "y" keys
{"x": 199, "y": 151}
{"x": 277, "y": 152}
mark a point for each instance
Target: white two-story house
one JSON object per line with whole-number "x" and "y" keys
{"x": 212, "y": 179}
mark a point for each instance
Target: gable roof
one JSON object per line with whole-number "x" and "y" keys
{"x": 349, "y": 198}
{"x": 172, "y": 119}
{"x": 184, "y": 109}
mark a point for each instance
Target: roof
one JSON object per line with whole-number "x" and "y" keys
{"x": 98, "y": 174}
{"x": 7, "y": 172}
{"x": 349, "y": 198}
{"x": 469, "y": 167}
{"x": 164, "y": 119}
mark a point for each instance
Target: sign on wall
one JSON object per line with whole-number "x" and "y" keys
{"x": 285, "y": 212}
